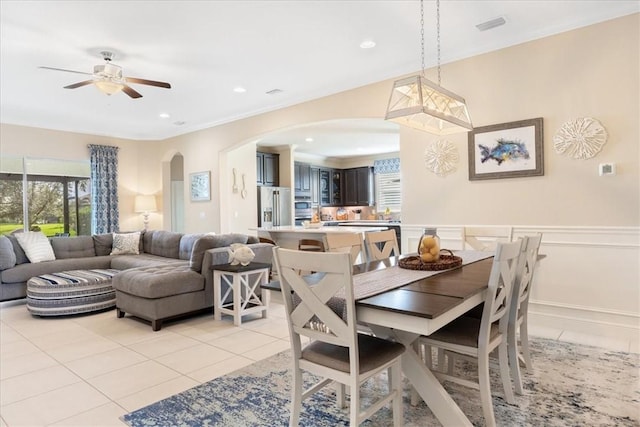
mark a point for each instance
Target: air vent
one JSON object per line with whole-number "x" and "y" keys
{"x": 491, "y": 24}
{"x": 274, "y": 91}
{"x": 179, "y": 123}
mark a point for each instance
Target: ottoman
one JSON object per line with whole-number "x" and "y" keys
{"x": 71, "y": 292}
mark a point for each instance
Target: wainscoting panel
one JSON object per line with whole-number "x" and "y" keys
{"x": 589, "y": 281}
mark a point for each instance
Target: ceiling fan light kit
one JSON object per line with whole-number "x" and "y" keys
{"x": 421, "y": 104}
{"x": 108, "y": 78}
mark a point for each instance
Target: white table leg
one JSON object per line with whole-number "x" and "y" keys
{"x": 237, "y": 299}
{"x": 426, "y": 384}
{"x": 265, "y": 294}
{"x": 217, "y": 289}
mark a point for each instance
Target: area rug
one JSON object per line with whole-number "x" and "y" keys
{"x": 570, "y": 385}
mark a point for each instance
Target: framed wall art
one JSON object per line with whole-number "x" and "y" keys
{"x": 200, "y": 185}
{"x": 507, "y": 150}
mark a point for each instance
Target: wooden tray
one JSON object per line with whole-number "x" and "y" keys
{"x": 444, "y": 263}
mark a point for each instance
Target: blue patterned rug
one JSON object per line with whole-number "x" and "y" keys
{"x": 570, "y": 385}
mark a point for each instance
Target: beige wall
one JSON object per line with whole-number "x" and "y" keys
{"x": 589, "y": 72}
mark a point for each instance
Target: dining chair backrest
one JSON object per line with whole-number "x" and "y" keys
{"x": 306, "y": 302}
{"x": 321, "y": 307}
{"x": 351, "y": 243}
{"x": 500, "y": 287}
{"x": 520, "y": 307}
{"x": 524, "y": 276}
{"x": 381, "y": 244}
{"x": 485, "y": 238}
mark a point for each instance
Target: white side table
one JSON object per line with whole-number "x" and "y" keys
{"x": 242, "y": 282}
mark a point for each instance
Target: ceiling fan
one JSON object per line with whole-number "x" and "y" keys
{"x": 108, "y": 78}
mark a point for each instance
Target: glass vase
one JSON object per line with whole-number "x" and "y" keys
{"x": 429, "y": 246}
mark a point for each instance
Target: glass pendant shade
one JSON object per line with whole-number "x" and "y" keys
{"x": 108, "y": 87}
{"x": 422, "y": 104}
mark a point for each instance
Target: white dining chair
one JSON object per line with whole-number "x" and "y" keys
{"x": 351, "y": 243}
{"x": 336, "y": 352}
{"x": 520, "y": 307}
{"x": 381, "y": 244}
{"x": 471, "y": 338}
{"x": 485, "y": 238}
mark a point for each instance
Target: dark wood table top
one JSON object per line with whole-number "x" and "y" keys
{"x": 434, "y": 295}
{"x": 429, "y": 297}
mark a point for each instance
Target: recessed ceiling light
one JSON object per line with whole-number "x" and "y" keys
{"x": 164, "y": 115}
{"x": 239, "y": 89}
{"x": 367, "y": 44}
{"x": 309, "y": 139}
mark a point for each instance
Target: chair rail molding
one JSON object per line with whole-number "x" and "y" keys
{"x": 588, "y": 282}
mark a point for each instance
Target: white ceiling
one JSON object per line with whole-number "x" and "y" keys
{"x": 307, "y": 49}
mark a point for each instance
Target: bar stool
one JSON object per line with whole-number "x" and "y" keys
{"x": 310, "y": 245}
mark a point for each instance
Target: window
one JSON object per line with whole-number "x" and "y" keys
{"x": 388, "y": 192}
{"x": 52, "y": 196}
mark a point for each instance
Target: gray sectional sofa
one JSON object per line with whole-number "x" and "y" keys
{"x": 170, "y": 276}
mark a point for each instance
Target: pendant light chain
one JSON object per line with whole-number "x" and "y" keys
{"x": 438, "y": 38}
{"x": 422, "y": 33}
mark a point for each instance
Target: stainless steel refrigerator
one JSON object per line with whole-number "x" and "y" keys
{"x": 274, "y": 206}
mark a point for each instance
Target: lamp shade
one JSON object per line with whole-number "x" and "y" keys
{"x": 145, "y": 204}
{"x": 422, "y": 104}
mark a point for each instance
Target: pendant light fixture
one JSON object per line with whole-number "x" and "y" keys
{"x": 422, "y": 104}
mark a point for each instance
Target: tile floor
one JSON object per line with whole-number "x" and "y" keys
{"x": 88, "y": 370}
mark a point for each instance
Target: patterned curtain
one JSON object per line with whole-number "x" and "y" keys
{"x": 104, "y": 189}
{"x": 386, "y": 165}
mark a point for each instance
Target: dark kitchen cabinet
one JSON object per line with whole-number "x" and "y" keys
{"x": 268, "y": 169}
{"x": 315, "y": 186}
{"x": 336, "y": 187}
{"x": 325, "y": 186}
{"x": 358, "y": 187}
{"x": 302, "y": 180}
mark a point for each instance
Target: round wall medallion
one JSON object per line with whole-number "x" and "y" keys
{"x": 581, "y": 138}
{"x": 441, "y": 157}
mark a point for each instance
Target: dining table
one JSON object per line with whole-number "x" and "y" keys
{"x": 402, "y": 304}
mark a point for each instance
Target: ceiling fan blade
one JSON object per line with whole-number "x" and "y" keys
{"x": 79, "y": 84}
{"x": 148, "y": 82}
{"x": 68, "y": 71}
{"x": 131, "y": 92}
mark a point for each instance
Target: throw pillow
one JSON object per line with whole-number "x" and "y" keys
{"x": 21, "y": 257}
{"x": 7, "y": 255}
{"x": 126, "y": 243}
{"x": 36, "y": 246}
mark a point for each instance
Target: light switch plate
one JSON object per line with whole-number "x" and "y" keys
{"x": 606, "y": 169}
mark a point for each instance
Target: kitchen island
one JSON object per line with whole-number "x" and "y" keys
{"x": 287, "y": 236}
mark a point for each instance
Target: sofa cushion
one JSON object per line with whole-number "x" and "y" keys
{"x": 158, "y": 281}
{"x": 21, "y": 257}
{"x": 23, "y": 272}
{"x": 165, "y": 243}
{"x": 73, "y": 247}
{"x": 186, "y": 245}
{"x": 103, "y": 243}
{"x": 127, "y": 243}
{"x": 207, "y": 242}
{"x": 36, "y": 246}
{"x": 125, "y": 262}
{"x": 7, "y": 255}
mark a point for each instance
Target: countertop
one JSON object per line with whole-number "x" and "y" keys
{"x": 365, "y": 223}
{"x": 322, "y": 230}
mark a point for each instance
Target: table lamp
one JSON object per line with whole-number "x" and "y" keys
{"x": 145, "y": 204}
